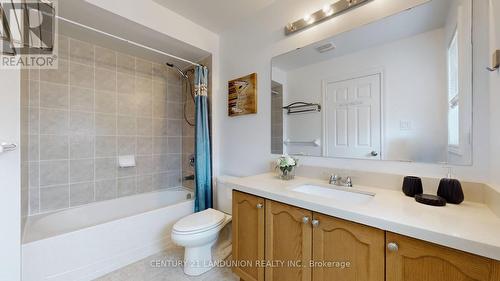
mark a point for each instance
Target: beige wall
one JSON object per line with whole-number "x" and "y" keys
{"x": 98, "y": 105}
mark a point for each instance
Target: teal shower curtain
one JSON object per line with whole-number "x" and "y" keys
{"x": 203, "y": 160}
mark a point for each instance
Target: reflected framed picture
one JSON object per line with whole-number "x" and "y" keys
{"x": 242, "y": 95}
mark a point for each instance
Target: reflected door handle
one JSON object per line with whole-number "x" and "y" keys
{"x": 374, "y": 153}
{"x": 259, "y": 206}
{"x": 6, "y": 147}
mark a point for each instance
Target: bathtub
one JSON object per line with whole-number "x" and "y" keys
{"x": 86, "y": 242}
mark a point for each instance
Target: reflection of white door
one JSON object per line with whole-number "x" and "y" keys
{"x": 352, "y": 117}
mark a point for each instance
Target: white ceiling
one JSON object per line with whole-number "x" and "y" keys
{"x": 426, "y": 17}
{"x": 215, "y": 15}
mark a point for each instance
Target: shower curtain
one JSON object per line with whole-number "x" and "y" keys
{"x": 203, "y": 160}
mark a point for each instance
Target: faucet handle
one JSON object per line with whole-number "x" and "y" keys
{"x": 348, "y": 182}
{"x": 334, "y": 179}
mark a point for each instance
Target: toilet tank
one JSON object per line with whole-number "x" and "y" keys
{"x": 224, "y": 195}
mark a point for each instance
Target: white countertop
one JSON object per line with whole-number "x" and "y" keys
{"x": 470, "y": 227}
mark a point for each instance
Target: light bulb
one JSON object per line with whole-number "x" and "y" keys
{"x": 327, "y": 10}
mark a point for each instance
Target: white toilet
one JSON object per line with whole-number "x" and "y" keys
{"x": 199, "y": 232}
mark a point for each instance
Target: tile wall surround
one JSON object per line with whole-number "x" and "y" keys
{"x": 97, "y": 105}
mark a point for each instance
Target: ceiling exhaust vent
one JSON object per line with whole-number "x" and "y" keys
{"x": 325, "y": 47}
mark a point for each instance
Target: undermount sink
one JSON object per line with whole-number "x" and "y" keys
{"x": 337, "y": 193}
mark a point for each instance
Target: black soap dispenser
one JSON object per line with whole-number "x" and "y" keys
{"x": 451, "y": 189}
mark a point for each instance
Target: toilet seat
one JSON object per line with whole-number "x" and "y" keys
{"x": 199, "y": 222}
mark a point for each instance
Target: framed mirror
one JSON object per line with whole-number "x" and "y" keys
{"x": 397, "y": 89}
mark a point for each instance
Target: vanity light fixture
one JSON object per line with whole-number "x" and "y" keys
{"x": 327, "y": 12}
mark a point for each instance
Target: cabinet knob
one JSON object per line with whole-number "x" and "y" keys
{"x": 374, "y": 153}
{"x": 392, "y": 247}
{"x": 315, "y": 223}
{"x": 259, "y": 206}
{"x": 305, "y": 219}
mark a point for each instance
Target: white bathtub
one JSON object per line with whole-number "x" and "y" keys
{"x": 86, "y": 242}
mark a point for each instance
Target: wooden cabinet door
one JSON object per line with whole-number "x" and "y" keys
{"x": 248, "y": 236}
{"x": 288, "y": 242}
{"x": 355, "y": 251}
{"x": 409, "y": 259}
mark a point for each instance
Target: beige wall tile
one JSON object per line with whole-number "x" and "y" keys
{"x": 105, "y": 80}
{"x": 34, "y": 148}
{"x": 126, "y": 145}
{"x": 100, "y": 104}
{"x": 144, "y": 146}
{"x": 81, "y": 146}
{"x": 127, "y": 105}
{"x": 105, "y": 58}
{"x": 81, "y": 52}
{"x": 81, "y": 75}
{"x": 62, "y": 46}
{"x": 34, "y": 121}
{"x": 144, "y": 165}
{"x": 81, "y": 99}
{"x": 81, "y": 170}
{"x": 54, "y": 147}
{"x": 174, "y": 110}
{"x": 125, "y": 63}
{"x": 105, "y": 168}
{"x": 125, "y": 83}
{"x": 34, "y": 201}
{"x": 54, "y": 95}
{"x": 59, "y": 75}
{"x": 144, "y": 104}
{"x": 144, "y": 183}
{"x": 126, "y": 186}
{"x": 81, "y": 123}
{"x": 105, "y": 102}
{"x": 160, "y": 127}
{"x": 143, "y": 68}
{"x": 54, "y": 198}
{"x": 54, "y": 121}
{"x": 105, "y": 124}
{"x": 144, "y": 126}
{"x": 174, "y": 145}
{"x": 34, "y": 91}
{"x": 127, "y": 126}
{"x": 54, "y": 172}
{"x": 174, "y": 128}
{"x": 105, "y": 146}
{"x": 81, "y": 193}
{"x": 143, "y": 85}
{"x": 105, "y": 190}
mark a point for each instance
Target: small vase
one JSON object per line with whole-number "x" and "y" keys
{"x": 286, "y": 173}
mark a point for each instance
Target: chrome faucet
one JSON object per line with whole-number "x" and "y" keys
{"x": 337, "y": 180}
{"x": 334, "y": 179}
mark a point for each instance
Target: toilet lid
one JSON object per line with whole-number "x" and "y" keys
{"x": 206, "y": 219}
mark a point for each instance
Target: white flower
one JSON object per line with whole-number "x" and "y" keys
{"x": 290, "y": 161}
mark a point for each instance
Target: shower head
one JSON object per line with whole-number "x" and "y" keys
{"x": 178, "y": 70}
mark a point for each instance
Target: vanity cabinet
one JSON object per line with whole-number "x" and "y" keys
{"x": 288, "y": 242}
{"x": 347, "y": 242}
{"x": 248, "y": 236}
{"x": 286, "y": 239}
{"x": 409, "y": 259}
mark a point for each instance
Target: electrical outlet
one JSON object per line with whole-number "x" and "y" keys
{"x": 405, "y": 125}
